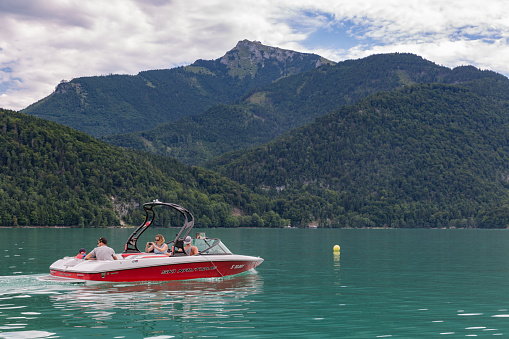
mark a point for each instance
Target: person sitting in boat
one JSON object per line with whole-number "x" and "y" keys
{"x": 81, "y": 253}
{"x": 102, "y": 251}
{"x": 188, "y": 249}
{"x": 159, "y": 247}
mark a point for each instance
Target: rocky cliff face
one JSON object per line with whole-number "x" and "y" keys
{"x": 66, "y": 86}
{"x": 248, "y": 56}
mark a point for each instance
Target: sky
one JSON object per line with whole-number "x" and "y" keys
{"x": 43, "y": 42}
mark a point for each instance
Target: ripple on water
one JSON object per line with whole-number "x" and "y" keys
{"x": 27, "y": 334}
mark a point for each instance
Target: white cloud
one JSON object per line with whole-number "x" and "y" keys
{"x": 45, "y": 41}
{"x": 452, "y": 33}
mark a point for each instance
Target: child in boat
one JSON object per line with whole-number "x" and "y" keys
{"x": 82, "y": 253}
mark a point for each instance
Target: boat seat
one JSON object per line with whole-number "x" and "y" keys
{"x": 179, "y": 245}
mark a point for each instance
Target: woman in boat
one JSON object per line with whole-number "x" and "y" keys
{"x": 159, "y": 247}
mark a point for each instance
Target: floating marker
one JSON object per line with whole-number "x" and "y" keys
{"x": 336, "y": 248}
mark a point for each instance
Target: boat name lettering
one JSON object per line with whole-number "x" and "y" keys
{"x": 235, "y": 267}
{"x": 188, "y": 270}
{"x": 182, "y": 270}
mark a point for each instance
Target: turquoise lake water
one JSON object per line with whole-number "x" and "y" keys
{"x": 382, "y": 284}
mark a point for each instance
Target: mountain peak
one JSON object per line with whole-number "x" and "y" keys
{"x": 247, "y": 57}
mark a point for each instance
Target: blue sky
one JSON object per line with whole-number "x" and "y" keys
{"x": 45, "y": 41}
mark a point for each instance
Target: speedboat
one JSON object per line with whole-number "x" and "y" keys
{"x": 213, "y": 260}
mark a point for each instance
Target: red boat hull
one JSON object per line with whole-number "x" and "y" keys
{"x": 179, "y": 271}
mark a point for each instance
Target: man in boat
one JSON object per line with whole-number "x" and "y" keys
{"x": 190, "y": 250}
{"x": 102, "y": 251}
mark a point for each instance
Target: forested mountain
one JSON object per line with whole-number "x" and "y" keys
{"x": 290, "y": 102}
{"x": 105, "y": 105}
{"x": 390, "y": 140}
{"x": 53, "y": 175}
{"x": 429, "y": 155}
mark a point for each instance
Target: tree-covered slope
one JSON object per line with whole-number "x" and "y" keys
{"x": 105, "y": 105}
{"x": 290, "y": 102}
{"x": 53, "y": 175}
{"x": 197, "y": 139}
{"x": 423, "y": 156}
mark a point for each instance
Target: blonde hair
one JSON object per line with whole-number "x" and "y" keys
{"x": 161, "y": 238}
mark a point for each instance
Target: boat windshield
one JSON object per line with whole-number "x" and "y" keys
{"x": 209, "y": 246}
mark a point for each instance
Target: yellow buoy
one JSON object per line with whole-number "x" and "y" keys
{"x": 336, "y": 248}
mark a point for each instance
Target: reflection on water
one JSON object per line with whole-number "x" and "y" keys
{"x": 27, "y": 305}
{"x": 337, "y": 269}
{"x": 186, "y": 299}
{"x": 337, "y": 261}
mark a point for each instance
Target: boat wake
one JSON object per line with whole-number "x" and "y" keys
{"x": 53, "y": 278}
{"x": 45, "y": 283}
{"x": 26, "y": 285}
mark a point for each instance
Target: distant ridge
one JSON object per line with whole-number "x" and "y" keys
{"x": 106, "y": 105}
{"x": 292, "y": 101}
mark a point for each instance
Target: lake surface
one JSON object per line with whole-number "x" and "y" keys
{"x": 382, "y": 284}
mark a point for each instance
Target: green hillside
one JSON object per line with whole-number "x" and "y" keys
{"x": 390, "y": 140}
{"x": 195, "y": 140}
{"x": 288, "y": 103}
{"x": 430, "y": 155}
{"x": 53, "y": 175}
{"x": 106, "y": 105}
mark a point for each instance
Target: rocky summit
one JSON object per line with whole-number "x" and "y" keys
{"x": 248, "y": 56}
